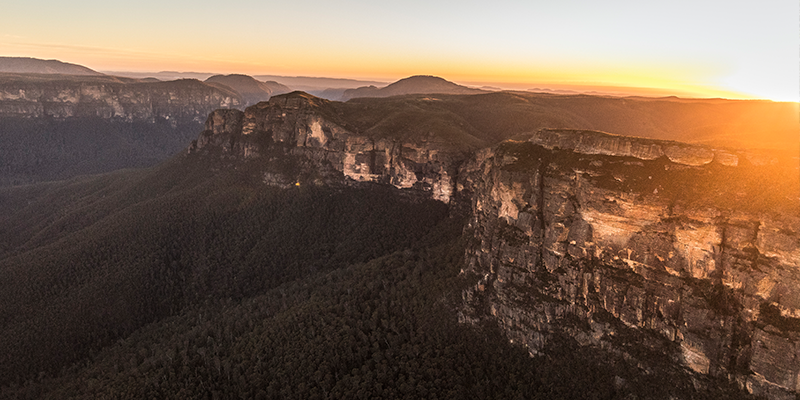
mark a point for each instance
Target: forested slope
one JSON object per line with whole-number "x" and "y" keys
{"x": 195, "y": 280}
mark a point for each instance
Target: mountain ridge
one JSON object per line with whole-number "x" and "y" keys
{"x": 552, "y": 207}
{"x": 718, "y": 123}
{"x": 418, "y": 84}
{"x": 363, "y": 143}
{"x": 39, "y": 66}
{"x": 60, "y": 126}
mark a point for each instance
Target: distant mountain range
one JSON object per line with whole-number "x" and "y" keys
{"x": 36, "y": 66}
{"x": 257, "y": 88}
{"x": 328, "y": 88}
{"x": 313, "y": 85}
{"x": 54, "y": 125}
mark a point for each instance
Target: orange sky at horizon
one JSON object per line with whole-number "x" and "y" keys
{"x": 690, "y": 49}
{"x": 608, "y": 80}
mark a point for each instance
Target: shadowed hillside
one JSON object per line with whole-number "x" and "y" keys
{"x": 251, "y": 90}
{"x": 493, "y": 117}
{"x": 194, "y": 279}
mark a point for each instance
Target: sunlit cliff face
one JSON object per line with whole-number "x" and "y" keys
{"x": 639, "y": 245}
{"x": 691, "y": 250}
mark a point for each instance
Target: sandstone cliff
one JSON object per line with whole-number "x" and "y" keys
{"x": 40, "y": 96}
{"x": 676, "y": 256}
{"x": 327, "y": 143}
{"x": 643, "y": 247}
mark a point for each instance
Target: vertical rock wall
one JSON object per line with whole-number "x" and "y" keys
{"x": 632, "y": 245}
{"x": 701, "y": 257}
{"x": 102, "y": 97}
{"x": 306, "y": 126}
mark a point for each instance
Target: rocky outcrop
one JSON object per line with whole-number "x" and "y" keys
{"x": 591, "y": 142}
{"x": 693, "y": 251}
{"x": 111, "y": 98}
{"x": 313, "y": 131}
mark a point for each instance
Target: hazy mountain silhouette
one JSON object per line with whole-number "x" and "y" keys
{"x": 162, "y": 75}
{"x": 317, "y": 84}
{"x": 330, "y": 94}
{"x": 251, "y": 89}
{"x": 277, "y": 87}
{"x": 37, "y": 66}
{"x": 419, "y": 84}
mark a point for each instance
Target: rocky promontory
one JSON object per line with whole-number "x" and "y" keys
{"x": 331, "y": 145}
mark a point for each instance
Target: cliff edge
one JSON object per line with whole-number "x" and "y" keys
{"x": 679, "y": 257}
{"x": 59, "y": 96}
{"x": 664, "y": 252}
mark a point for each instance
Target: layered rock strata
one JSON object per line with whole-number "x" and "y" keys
{"x": 308, "y": 127}
{"x": 32, "y": 96}
{"x": 695, "y": 250}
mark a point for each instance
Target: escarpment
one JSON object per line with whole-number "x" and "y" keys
{"x": 676, "y": 256}
{"x": 695, "y": 253}
{"x": 41, "y": 96}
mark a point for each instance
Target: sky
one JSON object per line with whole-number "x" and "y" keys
{"x": 692, "y": 48}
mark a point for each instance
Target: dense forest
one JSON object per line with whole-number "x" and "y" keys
{"x": 195, "y": 280}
